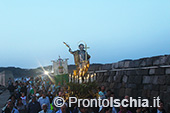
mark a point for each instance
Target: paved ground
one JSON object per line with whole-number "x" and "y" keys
{"x": 3, "y": 99}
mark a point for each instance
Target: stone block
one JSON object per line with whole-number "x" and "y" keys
{"x": 168, "y": 60}
{"x": 154, "y": 94}
{"x": 111, "y": 85}
{"x": 156, "y": 62}
{"x": 130, "y": 72}
{"x": 133, "y": 86}
{"x": 131, "y": 79}
{"x": 113, "y": 73}
{"x": 105, "y": 74}
{"x": 142, "y": 72}
{"x": 100, "y": 78}
{"x": 166, "y": 98}
{"x": 143, "y": 63}
{"x": 121, "y": 64}
{"x": 167, "y": 107}
{"x": 163, "y": 60}
{"x": 134, "y": 93}
{"x": 168, "y": 89}
{"x": 138, "y": 80}
{"x": 146, "y": 93}
{"x": 156, "y": 87}
{"x": 168, "y": 80}
{"x": 163, "y": 87}
{"x": 118, "y": 73}
{"x": 117, "y": 85}
{"x": 139, "y": 93}
{"x": 105, "y": 78}
{"x": 105, "y": 84}
{"x": 139, "y": 86}
{"x": 155, "y": 80}
{"x": 131, "y": 64}
{"x": 157, "y": 71}
{"x": 147, "y": 87}
{"x": 149, "y": 62}
{"x": 122, "y": 92}
{"x": 152, "y": 71}
{"x": 158, "y": 80}
{"x": 117, "y": 78}
{"x": 109, "y": 79}
{"x": 107, "y": 67}
{"x": 135, "y": 79}
{"x": 113, "y": 65}
{"x": 167, "y": 72}
{"x": 161, "y": 95}
{"x": 125, "y": 78}
{"x": 146, "y": 79}
{"x": 123, "y": 85}
{"x": 161, "y": 80}
{"x": 128, "y": 91}
{"x": 136, "y": 63}
{"x": 116, "y": 66}
{"x": 127, "y": 64}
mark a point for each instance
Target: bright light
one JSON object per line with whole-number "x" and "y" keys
{"x": 46, "y": 72}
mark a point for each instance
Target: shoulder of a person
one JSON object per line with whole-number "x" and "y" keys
{"x": 76, "y": 51}
{"x": 58, "y": 111}
{"x": 15, "y": 110}
{"x": 47, "y": 97}
{"x": 40, "y": 98}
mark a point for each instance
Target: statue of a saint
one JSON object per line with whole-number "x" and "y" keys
{"x": 81, "y": 59}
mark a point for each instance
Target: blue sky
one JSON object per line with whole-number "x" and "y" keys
{"x": 33, "y": 31}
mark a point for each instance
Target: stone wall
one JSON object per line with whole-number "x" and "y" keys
{"x": 146, "y": 77}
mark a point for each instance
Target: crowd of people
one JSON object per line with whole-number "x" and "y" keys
{"x": 36, "y": 95}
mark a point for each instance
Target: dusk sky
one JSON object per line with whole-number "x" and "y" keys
{"x": 33, "y": 31}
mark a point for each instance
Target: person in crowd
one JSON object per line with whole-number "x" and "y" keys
{"x": 145, "y": 110}
{"x": 73, "y": 108}
{"x": 20, "y": 106}
{"x": 24, "y": 88}
{"x": 9, "y": 81}
{"x": 102, "y": 109}
{"x": 44, "y": 100}
{"x": 139, "y": 110}
{"x": 45, "y": 110}
{"x": 62, "y": 110}
{"x": 59, "y": 102}
{"x": 108, "y": 93}
{"x": 124, "y": 110}
{"x": 108, "y": 110}
{"x": 132, "y": 109}
{"x": 13, "y": 100}
{"x": 32, "y": 90}
{"x": 83, "y": 109}
{"x": 160, "y": 108}
{"x": 102, "y": 93}
{"x": 10, "y": 108}
{"x": 50, "y": 96}
{"x": 11, "y": 88}
{"x": 24, "y": 99}
{"x": 33, "y": 106}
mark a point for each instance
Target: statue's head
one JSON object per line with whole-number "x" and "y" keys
{"x": 81, "y": 47}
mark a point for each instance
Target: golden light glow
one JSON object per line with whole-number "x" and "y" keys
{"x": 46, "y": 72}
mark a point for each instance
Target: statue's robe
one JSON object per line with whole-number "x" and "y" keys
{"x": 77, "y": 57}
